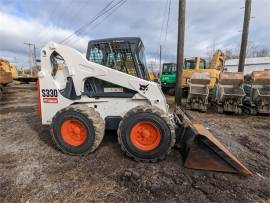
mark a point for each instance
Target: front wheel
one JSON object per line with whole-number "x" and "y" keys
{"x": 77, "y": 130}
{"x": 146, "y": 134}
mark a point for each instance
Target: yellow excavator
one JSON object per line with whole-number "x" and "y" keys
{"x": 198, "y": 64}
{"x": 198, "y": 80}
{"x": 9, "y": 67}
{"x": 195, "y": 64}
{"x": 8, "y": 72}
{"x": 152, "y": 76}
{"x": 27, "y": 76}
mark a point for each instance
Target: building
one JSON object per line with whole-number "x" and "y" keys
{"x": 251, "y": 64}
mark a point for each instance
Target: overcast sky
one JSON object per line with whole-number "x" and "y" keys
{"x": 209, "y": 24}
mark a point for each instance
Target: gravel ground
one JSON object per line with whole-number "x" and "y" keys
{"x": 33, "y": 170}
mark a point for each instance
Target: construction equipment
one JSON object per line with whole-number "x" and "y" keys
{"x": 198, "y": 91}
{"x": 152, "y": 76}
{"x": 6, "y": 66}
{"x": 5, "y": 75}
{"x": 229, "y": 92}
{"x": 80, "y": 99}
{"x": 205, "y": 80}
{"x": 168, "y": 78}
{"x": 26, "y": 75}
{"x": 196, "y": 64}
{"x": 257, "y": 89}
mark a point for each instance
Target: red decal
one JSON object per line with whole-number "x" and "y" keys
{"x": 52, "y": 100}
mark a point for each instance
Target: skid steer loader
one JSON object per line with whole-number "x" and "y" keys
{"x": 257, "y": 89}
{"x": 229, "y": 92}
{"x": 198, "y": 91}
{"x": 79, "y": 99}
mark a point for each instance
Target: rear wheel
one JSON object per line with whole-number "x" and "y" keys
{"x": 146, "y": 134}
{"x": 77, "y": 130}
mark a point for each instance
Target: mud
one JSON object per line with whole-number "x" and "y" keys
{"x": 33, "y": 170}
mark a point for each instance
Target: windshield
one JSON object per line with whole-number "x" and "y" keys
{"x": 202, "y": 64}
{"x": 142, "y": 63}
{"x": 169, "y": 68}
{"x": 191, "y": 64}
{"x": 116, "y": 55}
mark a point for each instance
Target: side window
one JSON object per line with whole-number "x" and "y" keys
{"x": 202, "y": 64}
{"x": 190, "y": 64}
{"x": 174, "y": 68}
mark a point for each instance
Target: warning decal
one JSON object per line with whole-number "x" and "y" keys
{"x": 52, "y": 100}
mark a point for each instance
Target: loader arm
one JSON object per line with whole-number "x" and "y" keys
{"x": 78, "y": 68}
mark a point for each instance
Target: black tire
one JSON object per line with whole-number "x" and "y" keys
{"x": 92, "y": 121}
{"x": 148, "y": 114}
{"x": 171, "y": 92}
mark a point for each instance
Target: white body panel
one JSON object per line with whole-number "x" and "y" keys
{"x": 79, "y": 68}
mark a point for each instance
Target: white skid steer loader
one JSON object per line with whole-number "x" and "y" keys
{"x": 80, "y": 99}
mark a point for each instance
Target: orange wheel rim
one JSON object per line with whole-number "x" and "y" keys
{"x": 145, "y": 135}
{"x": 73, "y": 132}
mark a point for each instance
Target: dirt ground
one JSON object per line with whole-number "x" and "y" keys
{"x": 33, "y": 170}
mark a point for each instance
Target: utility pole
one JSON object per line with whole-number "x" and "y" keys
{"x": 180, "y": 52}
{"x": 35, "y": 55}
{"x": 244, "y": 41}
{"x": 30, "y": 56}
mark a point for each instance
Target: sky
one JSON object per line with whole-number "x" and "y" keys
{"x": 210, "y": 24}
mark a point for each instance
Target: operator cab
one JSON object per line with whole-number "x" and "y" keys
{"x": 190, "y": 63}
{"x": 123, "y": 54}
{"x": 168, "y": 68}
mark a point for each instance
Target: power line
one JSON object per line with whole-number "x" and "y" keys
{"x": 116, "y": 6}
{"x": 31, "y": 55}
{"x": 163, "y": 22}
{"x": 80, "y": 10}
{"x": 100, "y": 13}
{"x": 102, "y": 20}
{"x": 168, "y": 20}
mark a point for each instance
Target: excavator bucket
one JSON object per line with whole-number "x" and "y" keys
{"x": 201, "y": 150}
